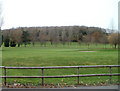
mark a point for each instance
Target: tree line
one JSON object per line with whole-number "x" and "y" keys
{"x": 55, "y": 35}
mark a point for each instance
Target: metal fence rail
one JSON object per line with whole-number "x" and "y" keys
{"x": 61, "y": 76}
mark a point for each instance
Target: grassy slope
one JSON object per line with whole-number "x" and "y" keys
{"x": 59, "y": 56}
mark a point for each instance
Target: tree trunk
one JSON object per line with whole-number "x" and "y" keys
{"x": 18, "y": 45}
{"x": 115, "y": 46}
{"x": 33, "y": 43}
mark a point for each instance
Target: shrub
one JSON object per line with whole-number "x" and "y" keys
{"x": 12, "y": 44}
{"x": 6, "y": 42}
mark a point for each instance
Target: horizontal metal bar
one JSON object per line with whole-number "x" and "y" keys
{"x": 65, "y": 76}
{"x": 2, "y": 66}
{"x": 61, "y": 67}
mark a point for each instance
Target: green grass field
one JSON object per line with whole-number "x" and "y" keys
{"x": 60, "y": 56}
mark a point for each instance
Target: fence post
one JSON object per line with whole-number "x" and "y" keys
{"x": 42, "y": 75}
{"x": 5, "y": 76}
{"x": 78, "y": 76}
{"x": 110, "y": 73}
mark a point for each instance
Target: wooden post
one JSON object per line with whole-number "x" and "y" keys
{"x": 110, "y": 79}
{"x": 5, "y": 76}
{"x": 78, "y": 76}
{"x": 42, "y": 77}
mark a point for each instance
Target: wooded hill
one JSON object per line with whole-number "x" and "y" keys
{"x": 55, "y": 35}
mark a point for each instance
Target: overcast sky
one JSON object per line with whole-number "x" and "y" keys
{"x": 98, "y": 13}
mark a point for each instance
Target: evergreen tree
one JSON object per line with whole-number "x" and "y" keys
{"x": 25, "y": 38}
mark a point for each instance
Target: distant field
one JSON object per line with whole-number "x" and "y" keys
{"x": 59, "y": 55}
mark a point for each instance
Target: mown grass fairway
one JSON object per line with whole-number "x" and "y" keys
{"x": 59, "y": 56}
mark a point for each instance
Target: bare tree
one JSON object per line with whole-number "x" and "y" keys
{"x": 87, "y": 39}
{"x": 113, "y": 39}
{"x": 70, "y": 33}
{"x": 104, "y": 40}
{"x": 53, "y": 35}
{"x": 96, "y": 37}
{"x": 64, "y": 35}
{"x": 18, "y": 39}
{"x": 42, "y": 37}
{"x": 33, "y": 35}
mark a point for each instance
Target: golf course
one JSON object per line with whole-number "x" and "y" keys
{"x": 60, "y": 55}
